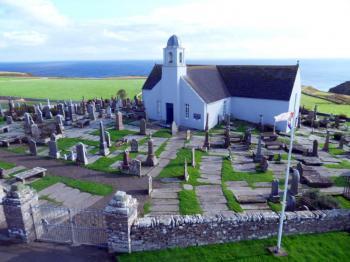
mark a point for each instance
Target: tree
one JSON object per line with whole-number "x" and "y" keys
{"x": 121, "y": 94}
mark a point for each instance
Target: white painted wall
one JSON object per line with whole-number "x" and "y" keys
{"x": 150, "y": 98}
{"x": 216, "y": 109}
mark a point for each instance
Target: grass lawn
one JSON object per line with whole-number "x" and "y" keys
{"x": 324, "y": 106}
{"x": 84, "y": 186}
{"x": 344, "y": 164}
{"x": 339, "y": 181}
{"x": 313, "y": 247}
{"x": 277, "y": 207}
{"x": 146, "y": 208}
{"x": 6, "y": 165}
{"x": 160, "y": 149}
{"x": 103, "y": 164}
{"x": 189, "y": 204}
{"x": 163, "y": 132}
{"x": 115, "y": 134}
{"x": 344, "y": 203}
{"x": 64, "y": 144}
{"x": 68, "y": 88}
{"x": 17, "y": 149}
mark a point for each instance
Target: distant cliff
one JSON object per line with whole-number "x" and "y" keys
{"x": 343, "y": 88}
{"x": 14, "y": 74}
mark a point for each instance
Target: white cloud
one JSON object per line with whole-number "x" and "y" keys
{"x": 117, "y": 36}
{"x": 29, "y": 38}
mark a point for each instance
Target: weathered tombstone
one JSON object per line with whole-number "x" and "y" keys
{"x": 326, "y": 143}
{"x": 174, "y": 129}
{"x": 126, "y": 160}
{"x": 81, "y": 154}
{"x": 39, "y": 116}
{"x": 258, "y": 155}
{"x": 35, "y": 131}
{"x": 193, "y": 157}
{"x": 109, "y": 112}
{"x": 188, "y": 135}
{"x": 186, "y": 175}
{"x": 264, "y": 164}
{"x": 315, "y": 148}
{"x": 207, "y": 122}
{"x": 341, "y": 142}
{"x": 143, "y": 126}
{"x": 53, "y": 148}
{"x": 32, "y": 147}
{"x": 150, "y": 185}
{"x": 108, "y": 139}
{"x": 134, "y": 146}
{"x": 291, "y": 203}
{"x": 294, "y": 187}
{"x": 9, "y": 120}
{"x": 247, "y": 137}
{"x": 119, "y": 121}
{"x": 135, "y": 167}
{"x": 104, "y": 151}
{"x": 274, "y": 195}
{"x": 151, "y": 157}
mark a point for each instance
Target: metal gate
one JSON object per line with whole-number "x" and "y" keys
{"x": 71, "y": 226}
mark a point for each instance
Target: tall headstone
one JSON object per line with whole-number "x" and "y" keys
{"x": 207, "y": 122}
{"x": 206, "y": 144}
{"x": 315, "y": 148}
{"x": 109, "y": 112}
{"x": 143, "y": 126}
{"x": 108, "y": 139}
{"x": 193, "y": 162}
{"x": 81, "y": 154}
{"x": 186, "y": 175}
{"x": 104, "y": 151}
{"x": 291, "y": 203}
{"x": 151, "y": 157}
{"x": 39, "y": 116}
{"x": 119, "y": 121}
{"x": 35, "y": 132}
{"x": 294, "y": 187}
{"x": 341, "y": 142}
{"x": 134, "y": 145}
{"x": 326, "y": 143}
{"x": 174, "y": 128}
{"x": 188, "y": 135}
{"x": 258, "y": 155}
{"x": 274, "y": 195}
{"x": 32, "y": 147}
{"x": 264, "y": 164}
{"x": 126, "y": 160}
{"x": 53, "y": 148}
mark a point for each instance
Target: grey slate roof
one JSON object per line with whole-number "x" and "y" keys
{"x": 213, "y": 82}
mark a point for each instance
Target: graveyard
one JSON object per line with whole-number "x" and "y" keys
{"x": 76, "y": 155}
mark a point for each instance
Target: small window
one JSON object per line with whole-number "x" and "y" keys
{"x": 158, "y": 107}
{"x": 180, "y": 57}
{"x": 197, "y": 116}
{"x": 187, "y": 110}
{"x": 225, "y": 108}
{"x": 170, "y": 60}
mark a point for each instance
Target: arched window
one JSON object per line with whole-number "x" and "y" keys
{"x": 170, "y": 57}
{"x": 180, "y": 57}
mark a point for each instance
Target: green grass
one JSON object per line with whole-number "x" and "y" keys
{"x": 64, "y": 144}
{"x": 339, "y": 181}
{"x": 69, "y": 88}
{"x": 146, "y": 208}
{"x": 115, "y": 134}
{"x": 103, "y": 163}
{"x": 344, "y": 203}
{"x": 324, "y": 106}
{"x": 277, "y": 207}
{"x": 232, "y": 203}
{"x": 84, "y": 186}
{"x": 160, "y": 149}
{"x": 333, "y": 150}
{"x": 189, "y": 204}
{"x": 17, "y": 149}
{"x": 164, "y": 132}
{"x": 344, "y": 164}
{"x": 312, "y": 247}
{"x": 6, "y": 165}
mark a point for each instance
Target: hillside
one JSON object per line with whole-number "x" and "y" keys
{"x": 14, "y": 74}
{"x": 343, "y": 88}
{"x": 332, "y": 97}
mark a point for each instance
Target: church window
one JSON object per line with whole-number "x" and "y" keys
{"x": 187, "y": 110}
{"x": 170, "y": 57}
{"x": 158, "y": 107}
{"x": 180, "y": 57}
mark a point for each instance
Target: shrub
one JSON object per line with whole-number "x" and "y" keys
{"x": 315, "y": 200}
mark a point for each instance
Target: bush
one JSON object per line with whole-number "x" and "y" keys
{"x": 316, "y": 200}
{"x": 343, "y": 116}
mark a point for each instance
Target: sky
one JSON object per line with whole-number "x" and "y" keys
{"x": 58, "y": 30}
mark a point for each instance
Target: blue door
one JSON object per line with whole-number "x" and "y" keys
{"x": 169, "y": 113}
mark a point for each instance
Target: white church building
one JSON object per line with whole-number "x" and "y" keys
{"x": 185, "y": 94}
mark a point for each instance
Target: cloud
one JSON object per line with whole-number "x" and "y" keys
{"x": 29, "y": 38}
{"x": 117, "y": 36}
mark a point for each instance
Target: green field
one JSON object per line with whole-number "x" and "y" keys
{"x": 68, "y": 88}
{"x": 317, "y": 247}
{"x": 324, "y": 106}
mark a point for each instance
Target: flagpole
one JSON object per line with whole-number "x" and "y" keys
{"x": 280, "y": 230}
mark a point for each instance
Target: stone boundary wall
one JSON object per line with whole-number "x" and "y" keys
{"x": 152, "y": 233}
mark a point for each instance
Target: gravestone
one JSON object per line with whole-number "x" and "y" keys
{"x": 143, "y": 126}
{"x": 274, "y": 195}
{"x": 135, "y": 167}
{"x": 71, "y": 156}
{"x": 174, "y": 129}
{"x": 150, "y": 185}
{"x": 326, "y": 143}
{"x": 35, "y": 131}
{"x": 206, "y": 144}
{"x": 109, "y": 112}
{"x": 341, "y": 142}
{"x": 291, "y": 203}
{"x": 134, "y": 146}
{"x": 9, "y": 120}
{"x": 294, "y": 187}
{"x": 186, "y": 175}
{"x": 264, "y": 164}
{"x": 193, "y": 157}
{"x": 39, "y": 116}
{"x": 126, "y": 160}
{"x": 53, "y": 148}
{"x": 247, "y": 137}
{"x": 32, "y": 147}
{"x": 104, "y": 151}
{"x": 258, "y": 155}
{"x": 188, "y": 135}
{"x": 108, "y": 139}
{"x": 151, "y": 157}
{"x": 81, "y": 154}
{"x": 315, "y": 148}
{"x": 119, "y": 121}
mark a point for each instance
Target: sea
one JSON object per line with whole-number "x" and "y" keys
{"x": 320, "y": 73}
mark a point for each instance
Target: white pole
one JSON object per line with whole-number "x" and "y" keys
{"x": 280, "y": 230}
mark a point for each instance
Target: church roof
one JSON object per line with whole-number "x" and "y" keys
{"x": 173, "y": 41}
{"x": 215, "y": 82}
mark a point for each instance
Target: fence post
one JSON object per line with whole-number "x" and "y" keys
{"x": 120, "y": 214}
{"x": 17, "y": 208}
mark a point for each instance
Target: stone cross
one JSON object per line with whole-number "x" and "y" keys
{"x": 119, "y": 121}
{"x": 294, "y": 187}
{"x": 53, "y": 148}
{"x": 258, "y": 155}
{"x": 193, "y": 157}
{"x": 274, "y": 195}
{"x": 326, "y": 143}
{"x": 151, "y": 157}
{"x": 315, "y": 148}
{"x": 134, "y": 146}
{"x": 186, "y": 175}
{"x": 143, "y": 126}
{"x": 104, "y": 151}
{"x": 32, "y": 147}
{"x": 81, "y": 154}
{"x": 174, "y": 129}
